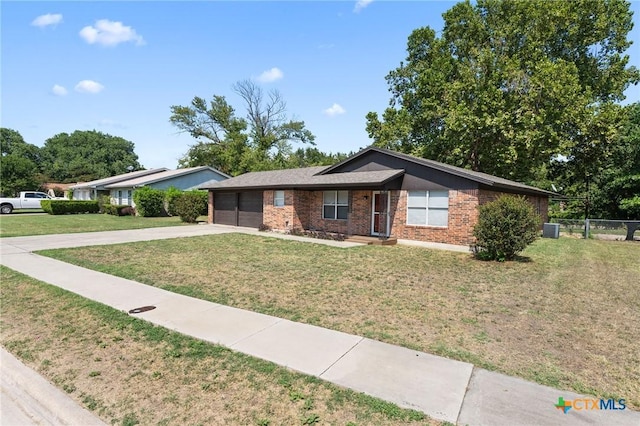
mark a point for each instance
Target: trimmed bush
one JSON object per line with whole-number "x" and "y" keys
{"x": 505, "y": 227}
{"x": 149, "y": 202}
{"x": 108, "y": 209}
{"x": 69, "y": 206}
{"x": 46, "y": 206}
{"x": 104, "y": 202}
{"x": 170, "y": 196}
{"x": 190, "y": 205}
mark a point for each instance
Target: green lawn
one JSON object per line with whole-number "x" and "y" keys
{"x": 20, "y": 225}
{"x": 129, "y": 372}
{"x": 566, "y": 315}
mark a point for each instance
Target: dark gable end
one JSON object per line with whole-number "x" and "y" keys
{"x": 416, "y": 176}
{"x": 426, "y": 174}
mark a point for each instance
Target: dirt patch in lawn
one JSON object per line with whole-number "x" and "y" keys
{"x": 128, "y": 371}
{"x": 566, "y": 315}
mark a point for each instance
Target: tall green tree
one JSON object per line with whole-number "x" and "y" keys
{"x": 615, "y": 191}
{"x": 262, "y": 140}
{"x": 87, "y": 155}
{"x": 509, "y": 85}
{"x": 12, "y": 143}
{"x": 312, "y": 156}
{"x": 18, "y": 163}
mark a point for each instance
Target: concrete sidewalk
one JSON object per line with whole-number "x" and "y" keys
{"x": 442, "y": 388}
{"x": 83, "y": 239}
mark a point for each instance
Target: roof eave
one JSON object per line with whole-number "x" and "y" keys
{"x": 521, "y": 190}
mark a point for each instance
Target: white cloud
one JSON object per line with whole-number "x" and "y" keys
{"x": 333, "y": 110}
{"x": 361, "y": 4}
{"x": 110, "y": 33}
{"x": 89, "y": 86}
{"x": 58, "y": 90}
{"x": 271, "y": 75}
{"x": 47, "y": 20}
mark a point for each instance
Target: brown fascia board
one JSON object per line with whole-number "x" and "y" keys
{"x": 308, "y": 187}
{"x": 311, "y": 186}
{"x": 519, "y": 190}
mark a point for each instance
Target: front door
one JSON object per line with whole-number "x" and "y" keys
{"x": 380, "y": 213}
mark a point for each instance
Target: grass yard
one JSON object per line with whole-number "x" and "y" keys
{"x": 21, "y": 225}
{"x": 128, "y": 371}
{"x": 568, "y": 317}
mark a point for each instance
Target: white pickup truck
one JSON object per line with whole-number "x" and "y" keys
{"x": 26, "y": 200}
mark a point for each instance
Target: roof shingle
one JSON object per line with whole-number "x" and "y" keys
{"x": 303, "y": 178}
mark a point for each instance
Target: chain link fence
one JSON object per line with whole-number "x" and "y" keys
{"x": 603, "y": 229}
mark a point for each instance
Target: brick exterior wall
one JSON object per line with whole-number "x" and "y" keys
{"x": 303, "y": 210}
{"x": 210, "y": 209}
{"x": 540, "y": 204}
{"x": 463, "y": 215}
{"x": 278, "y": 217}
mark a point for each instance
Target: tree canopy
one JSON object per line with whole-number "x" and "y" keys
{"x": 510, "y": 86}
{"x": 262, "y": 140}
{"x": 18, "y": 163}
{"x": 86, "y": 155}
{"x": 615, "y": 189}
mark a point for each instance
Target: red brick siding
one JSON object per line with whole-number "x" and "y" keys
{"x": 278, "y": 217}
{"x": 360, "y": 206}
{"x": 462, "y": 217}
{"x": 540, "y": 204}
{"x": 316, "y": 221}
{"x": 303, "y": 210}
{"x": 210, "y": 209}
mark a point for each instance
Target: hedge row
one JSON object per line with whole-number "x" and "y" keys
{"x": 191, "y": 204}
{"x": 149, "y": 202}
{"x": 172, "y": 202}
{"x": 69, "y": 206}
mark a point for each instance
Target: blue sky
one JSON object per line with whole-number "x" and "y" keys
{"x": 117, "y": 67}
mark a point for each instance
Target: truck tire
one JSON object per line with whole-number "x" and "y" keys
{"x": 6, "y": 208}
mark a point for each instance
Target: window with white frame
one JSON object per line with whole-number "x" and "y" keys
{"x": 121, "y": 197}
{"x": 428, "y": 208}
{"x": 278, "y": 198}
{"x": 335, "y": 205}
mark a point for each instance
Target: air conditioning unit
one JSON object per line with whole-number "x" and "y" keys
{"x": 551, "y": 230}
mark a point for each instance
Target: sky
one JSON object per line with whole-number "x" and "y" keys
{"x": 118, "y": 67}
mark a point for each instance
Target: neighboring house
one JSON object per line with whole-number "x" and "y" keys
{"x": 121, "y": 192}
{"x": 51, "y": 188}
{"x": 94, "y": 189}
{"x": 374, "y": 192}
